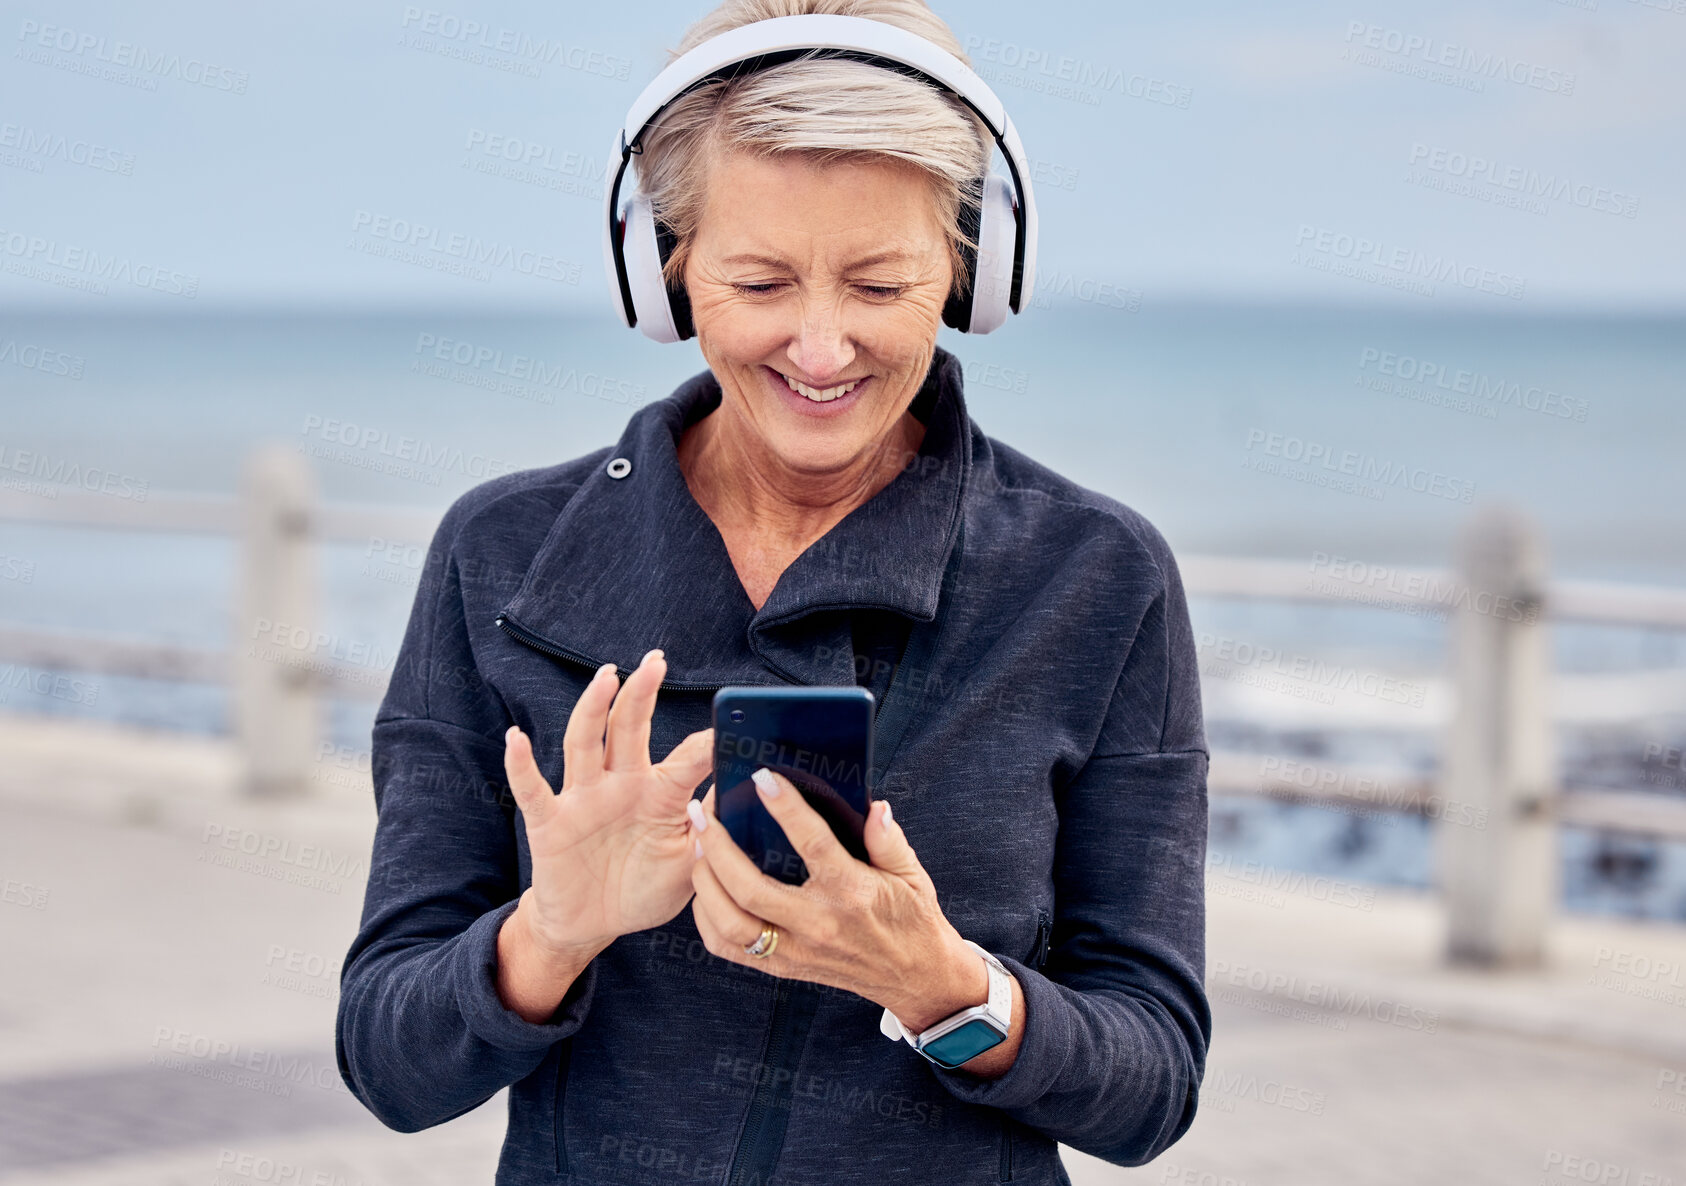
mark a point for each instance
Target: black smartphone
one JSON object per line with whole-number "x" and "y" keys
{"x": 820, "y": 739}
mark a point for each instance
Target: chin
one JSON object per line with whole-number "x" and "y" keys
{"x": 816, "y": 451}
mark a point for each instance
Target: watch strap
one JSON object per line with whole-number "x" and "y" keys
{"x": 1000, "y": 1001}
{"x": 999, "y": 1006}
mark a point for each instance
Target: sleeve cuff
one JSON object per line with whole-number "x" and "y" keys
{"x": 1043, "y": 1048}
{"x": 477, "y": 992}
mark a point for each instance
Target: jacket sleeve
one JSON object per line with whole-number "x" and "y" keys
{"x": 1117, "y": 1023}
{"x": 421, "y": 1035}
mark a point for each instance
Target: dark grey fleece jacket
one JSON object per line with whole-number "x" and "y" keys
{"x": 1042, "y": 745}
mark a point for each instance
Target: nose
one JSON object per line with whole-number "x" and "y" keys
{"x": 822, "y": 348}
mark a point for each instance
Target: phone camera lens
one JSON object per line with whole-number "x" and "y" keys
{"x": 736, "y": 716}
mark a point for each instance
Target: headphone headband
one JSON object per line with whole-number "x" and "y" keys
{"x": 813, "y": 31}
{"x": 760, "y": 44}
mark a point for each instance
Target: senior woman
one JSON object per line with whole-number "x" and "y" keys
{"x": 550, "y": 911}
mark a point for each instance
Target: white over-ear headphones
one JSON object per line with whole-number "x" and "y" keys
{"x": 635, "y": 244}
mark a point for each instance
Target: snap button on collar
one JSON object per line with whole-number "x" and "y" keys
{"x": 620, "y": 467}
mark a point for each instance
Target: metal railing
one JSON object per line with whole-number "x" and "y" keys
{"x": 1498, "y": 753}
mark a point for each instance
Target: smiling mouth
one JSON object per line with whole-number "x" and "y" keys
{"x": 821, "y": 395}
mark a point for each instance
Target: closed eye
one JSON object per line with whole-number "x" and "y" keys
{"x": 757, "y": 289}
{"x": 881, "y": 290}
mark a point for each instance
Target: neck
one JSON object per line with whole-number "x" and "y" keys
{"x": 750, "y": 492}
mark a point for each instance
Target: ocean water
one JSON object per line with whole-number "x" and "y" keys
{"x": 1291, "y": 432}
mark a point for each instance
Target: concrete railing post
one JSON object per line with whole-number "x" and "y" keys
{"x": 276, "y": 708}
{"x": 1498, "y": 872}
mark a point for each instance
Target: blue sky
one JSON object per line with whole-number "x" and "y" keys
{"x": 1224, "y": 150}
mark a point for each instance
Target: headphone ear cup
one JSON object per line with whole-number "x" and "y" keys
{"x": 642, "y": 250}
{"x": 997, "y": 236}
{"x": 678, "y": 300}
{"x": 614, "y": 236}
{"x": 957, "y": 309}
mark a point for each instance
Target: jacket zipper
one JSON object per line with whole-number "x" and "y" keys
{"x": 539, "y": 643}
{"x": 758, "y": 1148}
{"x": 1038, "y": 957}
{"x": 750, "y": 1155}
{"x": 560, "y": 1099}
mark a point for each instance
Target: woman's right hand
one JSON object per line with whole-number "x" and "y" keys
{"x": 612, "y": 853}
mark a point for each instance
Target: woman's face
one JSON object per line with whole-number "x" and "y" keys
{"x": 817, "y": 292}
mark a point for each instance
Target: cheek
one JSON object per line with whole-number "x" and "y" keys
{"x": 739, "y": 331}
{"x": 899, "y": 335}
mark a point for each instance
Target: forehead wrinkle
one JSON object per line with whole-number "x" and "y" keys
{"x": 896, "y": 256}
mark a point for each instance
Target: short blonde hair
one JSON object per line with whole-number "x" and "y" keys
{"x": 825, "y": 110}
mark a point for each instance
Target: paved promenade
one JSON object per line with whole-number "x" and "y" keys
{"x": 167, "y": 1006}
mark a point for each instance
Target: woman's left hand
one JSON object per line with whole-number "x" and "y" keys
{"x": 875, "y": 930}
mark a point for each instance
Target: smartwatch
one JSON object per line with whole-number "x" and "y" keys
{"x": 963, "y": 1036}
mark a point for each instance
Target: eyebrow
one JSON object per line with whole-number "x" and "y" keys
{"x": 773, "y": 261}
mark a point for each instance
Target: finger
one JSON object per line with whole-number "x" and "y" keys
{"x": 532, "y": 793}
{"x": 629, "y": 718}
{"x": 707, "y": 804}
{"x": 763, "y": 896}
{"x": 685, "y": 766}
{"x": 888, "y": 846}
{"x": 807, "y": 830}
{"x": 728, "y": 930}
{"x": 732, "y": 925}
{"x": 582, "y": 742}
{"x": 732, "y": 930}
{"x": 702, "y": 915}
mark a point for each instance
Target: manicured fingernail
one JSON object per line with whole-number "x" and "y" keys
{"x": 608, "y": 668}
{"x": 699, "y": 821}
{"x": 654, "y": 653}
{"x": 763, "y": 779}
{"x": 886, "y": 813}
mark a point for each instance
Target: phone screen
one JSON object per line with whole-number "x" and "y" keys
{"x": 820, "y": 739}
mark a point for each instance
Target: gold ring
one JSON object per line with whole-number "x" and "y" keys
{"x": 764, "y": 943}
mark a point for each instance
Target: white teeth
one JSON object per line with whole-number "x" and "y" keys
{"x": 817, "y": 395}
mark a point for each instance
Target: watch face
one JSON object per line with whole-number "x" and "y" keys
{"x": 963, "y": 1044}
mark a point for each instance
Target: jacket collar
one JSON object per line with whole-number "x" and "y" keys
{"x": 634, "y": 562}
